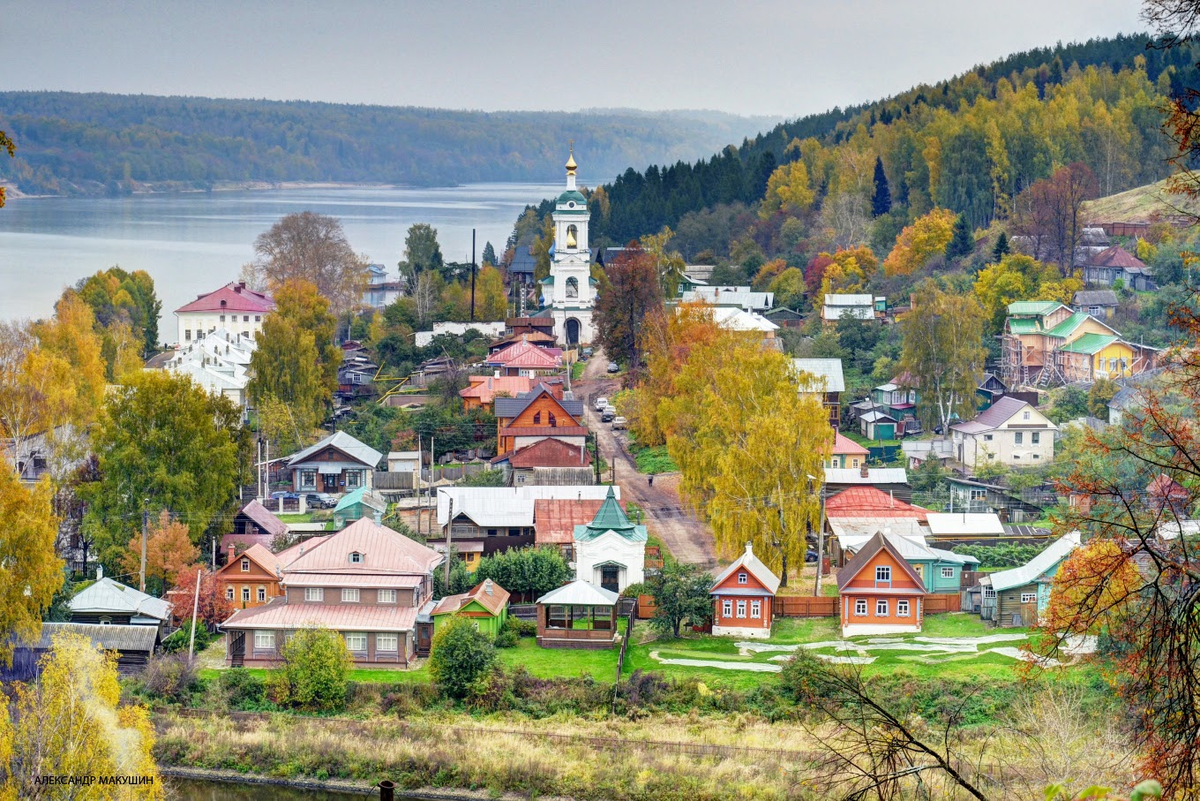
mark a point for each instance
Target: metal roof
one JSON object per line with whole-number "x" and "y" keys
{"x": 579, "y": 593}
{"x": 488, "y": 594}
{"x": 871, "y": 547}
{"x": 111, "y": 596}
{"x": 850, "y": 300}
{"x": 345, "y": 443}
{"x": 851, "y": 532}
{"x": 263, "y": 516}
{"x": 505, "y": 506}
{"x": 362, "y": 495}
{"x": 830, "y": 370}
{"x": 110, "y": 638}
{"x": 384, "y": 551}
{"x": 1089, "y": 344}
{"x": 1033, "y": 307}
{"x": 875, "y": 475}
{"x": 509, "y": 408}
{"x": 610, "y": 517}
{"x": 752, "y": 564}
{"x": 281, "y": 616}
{"x": 948, "y": 524}
{"x": 1095, "y": 297}
{"x": 995, "y": 415}
{"x": 1044, "y": 562}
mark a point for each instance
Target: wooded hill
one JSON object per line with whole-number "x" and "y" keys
{"x": 70, "y": 143}
{"x": 970, "y": 144}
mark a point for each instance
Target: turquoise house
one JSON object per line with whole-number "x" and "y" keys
{"x": 1018, "y": 597}
{"x": 363, "y": 502}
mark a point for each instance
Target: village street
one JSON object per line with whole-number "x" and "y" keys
{"x": 687, "y": 538}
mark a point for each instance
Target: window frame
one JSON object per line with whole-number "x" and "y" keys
{"x": 351, "y": 595}
{"x": 756, "y": 610}
{"x": 882, "y": 604}
{"x": 245, "y": 565}
{"x": 261, "y": 594}
{"x": 381, "y": 596}
{"x": 245, "y": 593}
{"x": 1029, "y": 597}
{"x": 948, "y": 572}
{"x": 726, "y": 608}
{"x": 268, "y": 637}
{"x": 380, "y": 648}
{"x": 314, "y": 595}
{"x": 741, "y": 610}
{"x": 743, "y": 578}
{"x": 883, "y": 573}
{"x": 356, "y": 634}
{"x": 902, "y": 608}
{"x": 860, "y": 607}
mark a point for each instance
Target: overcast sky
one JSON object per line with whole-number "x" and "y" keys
{"x": 777, "y": 57}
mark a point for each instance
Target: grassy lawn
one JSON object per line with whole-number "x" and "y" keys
{"x": 577, "y": 371}
{"x": 869, "y": 443}
{"x": 653, "y": 460}
{"x": 295, "y": 518}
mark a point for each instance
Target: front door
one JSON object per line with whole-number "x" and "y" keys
{"x": 610, "y": 578}
{"x": 331, "y": 482}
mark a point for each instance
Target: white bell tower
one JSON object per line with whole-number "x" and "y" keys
{"x": 569, "y": 290}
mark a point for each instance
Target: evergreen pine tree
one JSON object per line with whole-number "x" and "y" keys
{"x": 1001, "y": 249}
{"x": 963, "y": 241}
{"x": 881, "y": 201}
{"x": 489, "y": 254}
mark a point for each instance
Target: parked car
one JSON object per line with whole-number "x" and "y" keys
{"x": 320, "y": 500}
{"x": 610, "y": 410}
{"x": 619, "y": 424}
{"x": 586, "y": 354}
{"x": 286, "y": 495}
{"x": 613, "y": 367}
{"x": 600, "y": 404}
{"x": 607, "y": 416}
{"x": 810, "y": 556}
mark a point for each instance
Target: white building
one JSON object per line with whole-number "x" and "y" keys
{"x": 743, "y": 297}
{"x": 569, "y": 291}
{"x": 234, "y": 307}
{"x": 1011, "y": 432}
{"x": 218, "y": 361}
{"x": 490, "y": 330}
{"x": 610, "y": 551}
{"x": 860, "y": 307}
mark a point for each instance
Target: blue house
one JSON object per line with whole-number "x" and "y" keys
{"x": 1017, "y": 597}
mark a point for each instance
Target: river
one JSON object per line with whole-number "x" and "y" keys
{"x": 203, "y": 790}
{"x": 193, "y": 243}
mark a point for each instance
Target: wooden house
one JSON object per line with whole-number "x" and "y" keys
{"x": 132, "y": 644}
{"x": 486, "y": 605}
{"x": 744, "y": 598}
{"x": 339, "y": 463}
{"x": 484, "y": 389}
{"x": 940, "y": 570}
{"x": 547, "y": 461}
{"x": 1018, "y": 597}
{"x": 253, "y": 524}
{"x": 1117, "y": 264}
{"x": 535, "y": 416}
{"x": 555, "y": 519}
{"x": 877, "y": 424}
{"x": 577, "y": 615}
{"x": 856, "y": 307}
{"x": 1099, "y": 303}
{"x": 827, "y": 382}
{"x": 525, "y": 358}
{"x": 847, "y": 454}
{"x": 784, "y": 317}
{"x": 879, "y": 592}
{"x": 111, "y": 603}
{"x": 251, "y": 578}
{"x": 365, "y": 582}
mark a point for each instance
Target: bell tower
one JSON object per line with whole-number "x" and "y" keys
{"x": 569, "y": 290}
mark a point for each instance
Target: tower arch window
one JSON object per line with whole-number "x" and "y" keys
{"x": 572, "y": 287}
{"x": 572, "y": 235}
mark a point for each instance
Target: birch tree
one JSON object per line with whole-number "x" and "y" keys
{"x": 943, "y": 350}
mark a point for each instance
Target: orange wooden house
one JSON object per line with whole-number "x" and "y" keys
{"x": 879, "y": 592}
{"x": 535, "y": 416}
{"x": 251, "y": 579}
{"x": 744, "y": 598}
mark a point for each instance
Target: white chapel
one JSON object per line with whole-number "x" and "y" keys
{"x": 569, "y": 291}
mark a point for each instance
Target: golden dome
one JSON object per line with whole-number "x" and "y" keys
{"x": 571, "y": 165}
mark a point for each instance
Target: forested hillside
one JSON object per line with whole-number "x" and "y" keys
{"x": 970, "y": 144}
{"x": 70, "y": 143}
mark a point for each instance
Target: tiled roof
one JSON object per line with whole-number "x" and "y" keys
{"x": 384, "y": 550}
{"x": 845, "y": 446}
{"x": 486, "y": 388}
{"x": 870, "y": 502}
{"x": 237, "y": 298}
{"x": 873, "y": 546}
{"x": 555, "y": 519}
{"x": 278, "y": 615}
{"x": 549, "y": 452}
{"x": 263, "y": 516}
{"x": 490, "y": 595}
{"x": 346, "y": 444}
{"x": 754, "y": 566}
{"x": 1089, "y": 344}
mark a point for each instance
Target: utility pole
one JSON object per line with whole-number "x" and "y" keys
{"x": 195, "y": 611}
{"x": 596, "y": 455}
{"x": 472, "y": 275}
{"x": 145, "y": 526}
{"x": 449, "y": 536}
{"x": 820, "y": 543}
{"x": 417, "y": 483}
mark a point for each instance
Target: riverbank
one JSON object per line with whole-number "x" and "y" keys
{"x": 191, "y": 188}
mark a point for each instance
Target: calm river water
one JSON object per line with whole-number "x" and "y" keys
{"x": 193, "y": 243}
{"x": 199, "y": 790}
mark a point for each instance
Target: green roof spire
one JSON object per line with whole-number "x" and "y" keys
{"x": 610, "y": 517}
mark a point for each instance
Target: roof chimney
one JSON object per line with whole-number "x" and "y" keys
{"x": 749, "y": 549}
{"x": 864, "y": 471}
{"x": 487, "y": 586}
{"x": 378, "y": 517}
{"x": 99, "y": 572}
{"x": 892, "y": 497}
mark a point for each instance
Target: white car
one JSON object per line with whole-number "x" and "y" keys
{"x": 619, "y": 423}
{"x": 600, "y": 404}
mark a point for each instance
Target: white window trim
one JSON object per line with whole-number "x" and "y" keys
{"x": 902, "y": 608}
{"x": 948, "y": 572}
{"x": 1028, "y": 597}
{"x": 350, "y": 595}
{"x": 860, "y": 604}
{"x": 883, "y": 573}
{"x": 356, "y": 635}
{"x": 314, "y": 595}
{"x": 756, "y": 610}
{"x": 741, "y": 610}
{"x": 726, "y": 608}
{"x": 743, "y": 578}
{"x": 267, "y": 641}
{"x": 881, "y": 604}
{"x": 261, "y": 594}
{"x": 385, "y": 596}
{"x": 245, "y": 594}
{"x": 380, "y": 648}
{"x": 245, "y": 565}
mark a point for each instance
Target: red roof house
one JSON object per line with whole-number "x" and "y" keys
{"x": 744, "y": 598}
{"x": 233, "y": 297}
{"x": 847, "y": 453}
{"x": 871, "y": 502}
{"x": 555, "y": 519}
{"x": 879, "y": 592}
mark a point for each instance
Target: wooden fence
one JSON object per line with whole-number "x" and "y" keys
{"x": 810, "y": 606}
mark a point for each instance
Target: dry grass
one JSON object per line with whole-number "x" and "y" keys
{"x": 1140, "y": 204}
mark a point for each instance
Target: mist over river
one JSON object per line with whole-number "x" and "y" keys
{"x": 193, "y": 243}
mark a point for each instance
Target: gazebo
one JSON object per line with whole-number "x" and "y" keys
{"x": 577, "y": 615}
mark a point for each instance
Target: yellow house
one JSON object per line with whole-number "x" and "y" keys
{"x": 1095, "y": 356}
{"x": 1046, "y": 342}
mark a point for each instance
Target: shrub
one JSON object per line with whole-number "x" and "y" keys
{"x": 460, "y": 656}
{"x": 315, "y": 667}
{"x": 179, "y": 640}
{"x": 242, "y": 688}
{"x": 635, "y": 589}
{"x": 169, "y": 676}
{"x": 512, "y": 630}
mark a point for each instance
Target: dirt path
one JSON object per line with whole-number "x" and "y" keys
{"x": 687, "y": 538}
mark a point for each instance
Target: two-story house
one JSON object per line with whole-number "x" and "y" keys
{"x": 338, "y": 463}
{"x": 535, "y": 416}
{"x": 824, "y": 378}
{"x": 234, "y": 307}
{"x": 1010, "y": 432}
{"x": 250, "y": 578}
{"x": 879, "y": 592}
{"x": 366, "y": 582}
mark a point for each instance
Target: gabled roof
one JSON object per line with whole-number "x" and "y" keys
{"x": 1070, "y": 324}
{"x": 109, "y": 637}
{"x": 974, "y": 524}
{"x": 289, "y": 555}
{"x": 264, "y": 518}
{"x": 108, "y": 596}
{"x": 1117, "y": 256}
{"x": 850, "y": 300}
{"x": 486, "y": 388}
{"x": 828, "y": 372}
{"x": 876, "y": 416}
{"x": 1033, "y": 308}
{"x": 610, "y": 517}
{"x": 507, "y": 506}
{"x": 548, "y": 452}
{"x": 534, "y": 359}
{"x": 245, "y": 541}
{"x": 995, "y": 415}
{"x": 259, "y": 555}
{"x": 362, "y": 495}
{"x": 877, "y": 543}
{"x": 751, "y": 563}
{"x": 508, "y": 408}
{"x": 870, "y": 502}
{"x": 236, "y": 298}
{"x": 845, "y": 446}
{"x": 542, "y": 356}
{"x": 1040, "y": 564}
{"x": 345, "y": 443}
{"x": 579, "y": 593}
{"x": 1095, "y": 297}
{"x": 281, "y": 616}
{"x": 875, "y": 475}
{"x": 544, "y": 431}
{"x": 1089, "y": 344}
{"x": 488, "y": 594}
{"x": 555, "y": 519}
{"x": 385, "y": 552}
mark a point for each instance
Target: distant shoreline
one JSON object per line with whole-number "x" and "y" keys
{"x": 173, "y": 188}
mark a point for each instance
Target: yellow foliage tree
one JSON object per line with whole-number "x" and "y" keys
{"x": 850, "y": 270}
{"x": 1099, "y": 577}
{"x": 788, "y": 190}
{"x": 70, "y": 335}
{"x": 1019, "y": 277}
{"x": 69, "y": 723}
{"x": 491, "y": 302}
{"x": 918, "y": 243}
{"x": 169, "y": 553}
{"x": 30, "y": 572}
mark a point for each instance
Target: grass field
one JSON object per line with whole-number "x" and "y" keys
{"x": 1139, "y": 204}
{"x": 653, "y": 460}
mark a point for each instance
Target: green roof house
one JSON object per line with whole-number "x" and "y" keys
{"x": 610, "y": 551}
{"x": 486, "y": 604}
{"x": 363, "y": 502}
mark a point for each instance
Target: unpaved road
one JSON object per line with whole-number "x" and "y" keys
{"x": 687, "y": 538}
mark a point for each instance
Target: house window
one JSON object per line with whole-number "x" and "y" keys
{"x": 386, "y": 643}
{"x": 264, "y": 641}
{"x": 245, "y": 565}
{"x": 902, "y": 608}
{"x": 187, "y": 335}
{"x": 1025, "y": 416}
{"x": 1028, "y": 597}
{"x": 389, "y": 596}
{"x": 314, "y": 595}
{"x": 987, "y": 437}
{"x": 356, "y": 643}
{"x": 726, "y": 608}
{"x": 356, "y": 558}
{"x": 741, "y": 607}
{"x": 860, "y": 607}
{"x": 492, "y": 532}
{"x": 262, "y": 594}
{"x": 308, "y": 479}
{"x": 1018, "y": 438}
{"x": 537, "y": 418}
{"x": 948, "y": 572}
{"x": 1094, "y": 311}
{"x": 258, "y": 318}
{"x": 350, "y": 595}
{"x": 881, "y": 608}
{"x": 229, "y": 593}
{"x": 756, "y": 610}
{"x": 989, "y": 592}
{"x": 353, "y": 478}
{"x": 245, "y": 594}
{"x": 742, "y": 579}
{"x": 883, "y": 573}
{"x": 855, "y": 465}
{"x": 245, "y": 318}
{"x": 1035, "y": 438}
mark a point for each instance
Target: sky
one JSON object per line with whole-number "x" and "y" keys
{"x": 778, "y": 58}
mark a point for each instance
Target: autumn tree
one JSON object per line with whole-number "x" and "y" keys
{"x": 312, "y": 247}
{"x": 629, "y": 293}
{"x": 163, "y": 443}
{"x": 422, "y": 252}
{"x": 667, "y": 263}
{"x": 1048, "y": 214}
{"x": 1018, "y": 277}
{"x": 170, "y": 554}
{"x": 1101, "y": 573}
{"x": 116, "y": 296}
{"x": 943, "y": 351}
{"x": 69, "y": 722}
{"x": 918, "y": 243}
{"x": 847, "y": 270}
{"x": 788, "y": 288}
{"x": 788, "y": 190}
{"x": 213, "y": 607}
{"x": 30, "y": 570}
{"x": 491, "y": 301}
{"x": 70, "y": 335}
